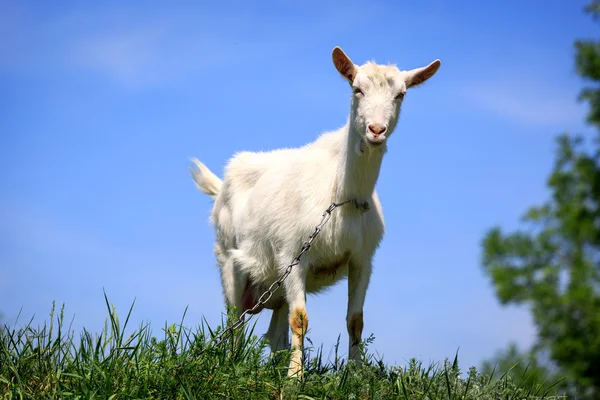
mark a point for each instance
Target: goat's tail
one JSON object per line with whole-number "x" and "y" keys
{"x": 205, "y": 180}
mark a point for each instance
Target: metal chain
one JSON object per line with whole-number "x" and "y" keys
{"x": 262, "y": 300}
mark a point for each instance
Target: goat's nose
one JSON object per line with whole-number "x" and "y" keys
{"x": 377, "y": 129}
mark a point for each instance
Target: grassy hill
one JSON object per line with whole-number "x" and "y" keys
{"x": 51, "y": 362}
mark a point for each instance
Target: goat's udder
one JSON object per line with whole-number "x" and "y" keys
{"x": 249, "y": 298}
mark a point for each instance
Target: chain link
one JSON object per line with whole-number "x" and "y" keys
{"x": 266, "y": 296}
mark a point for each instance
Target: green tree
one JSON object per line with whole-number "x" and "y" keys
{"x": 526, "y": 368}
{"x": 552, "y": 264}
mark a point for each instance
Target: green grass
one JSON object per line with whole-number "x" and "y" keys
{"x": 50, "y": 362}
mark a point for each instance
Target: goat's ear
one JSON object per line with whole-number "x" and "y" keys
{"x": 417, "y": 76}
{"x": 344, "y": 64}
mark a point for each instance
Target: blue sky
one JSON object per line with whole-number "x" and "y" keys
{"x": 102, "y": 104}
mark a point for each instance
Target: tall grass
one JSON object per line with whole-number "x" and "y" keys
{"x": 50, "y": 362}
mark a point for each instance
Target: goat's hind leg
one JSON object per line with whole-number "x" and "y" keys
{"x": 278, "y": 333}
{"x": 234, "y": 282}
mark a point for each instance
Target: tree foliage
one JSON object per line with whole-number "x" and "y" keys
{"x": 526, "y": 368}
{"x": 552, "y": 264}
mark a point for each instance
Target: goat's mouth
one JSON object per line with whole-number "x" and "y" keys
{"x": 375, "y": 141}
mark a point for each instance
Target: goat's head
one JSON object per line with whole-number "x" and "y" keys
{"x": 378, "y": 92}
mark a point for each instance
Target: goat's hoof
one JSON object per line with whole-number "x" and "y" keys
{"x": 295, "y": 371}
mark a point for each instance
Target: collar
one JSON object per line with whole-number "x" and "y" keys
{"x": 361, "y": 205}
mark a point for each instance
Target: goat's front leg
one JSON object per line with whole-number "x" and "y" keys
{"x": 359, "y": 274}
{"x": 295, "y": 292}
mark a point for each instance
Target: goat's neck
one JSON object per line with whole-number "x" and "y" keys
{"x": 358, "y": 170}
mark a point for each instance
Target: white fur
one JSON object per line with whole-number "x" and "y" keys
{"x": 270, "y": 202}
{"x": 205, "y": 180}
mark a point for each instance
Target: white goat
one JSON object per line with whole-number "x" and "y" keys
{"x": 269, "y": 203}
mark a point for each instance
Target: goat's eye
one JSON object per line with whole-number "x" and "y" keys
{"x": 400, "y": 96}
{"x": 358, "y": 92}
